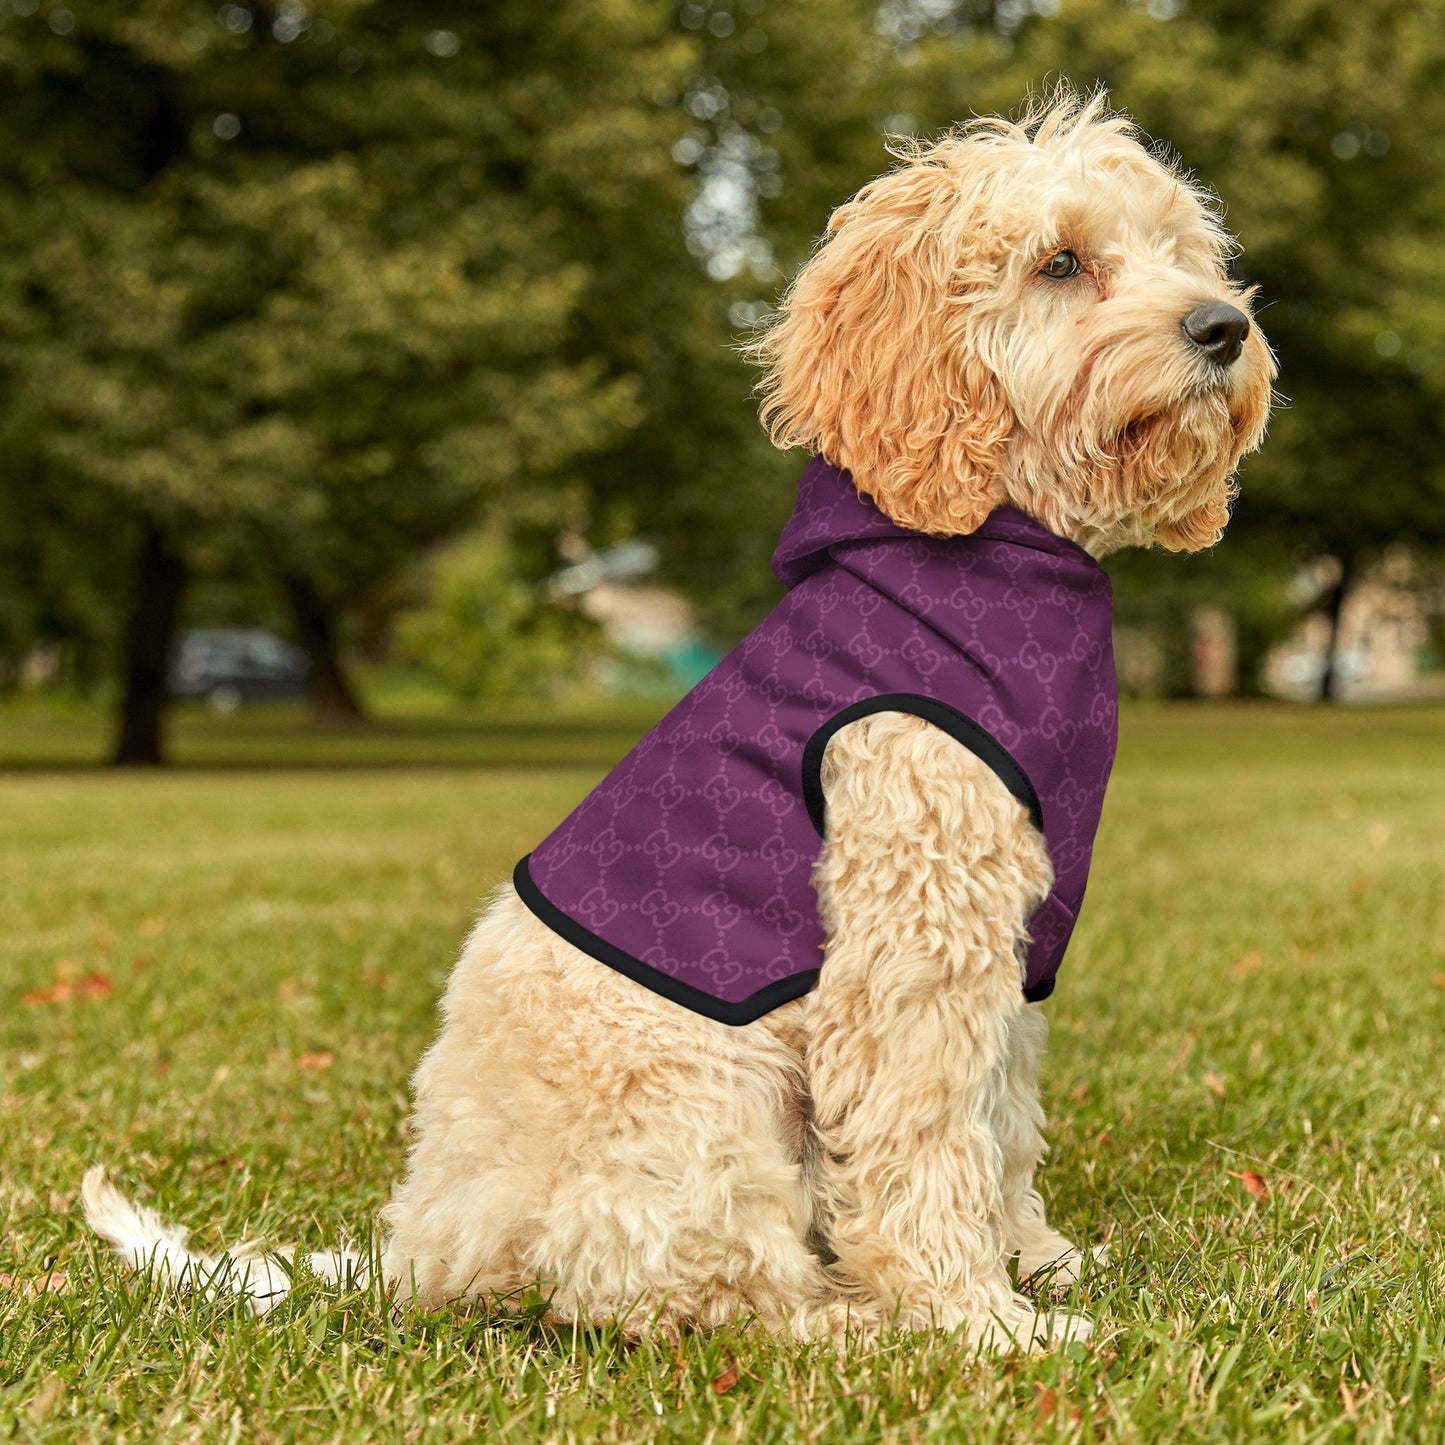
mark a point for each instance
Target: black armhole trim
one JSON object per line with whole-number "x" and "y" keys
{"x": 956, "y": 724}
{"x": 1039, "y": 992}
{"x": 765, "y": 1000}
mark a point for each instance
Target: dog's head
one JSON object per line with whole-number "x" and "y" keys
{"x": 1035, "y": 313}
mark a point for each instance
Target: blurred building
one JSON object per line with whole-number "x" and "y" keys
{"x": 1382, "y": 651}
{"x": 653, "y": 630}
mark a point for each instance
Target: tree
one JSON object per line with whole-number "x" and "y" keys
{"x": 292, "y": 283}
{"x": 326, "y": 286}
{"x": 782, "y": 112}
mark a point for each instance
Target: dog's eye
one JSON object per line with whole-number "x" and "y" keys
{"x": 1060, "y": 266}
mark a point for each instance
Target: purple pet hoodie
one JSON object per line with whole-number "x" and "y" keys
{"x": 689, "y": 867}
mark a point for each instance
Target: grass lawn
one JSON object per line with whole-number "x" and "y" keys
{"x": 216, "y": 980}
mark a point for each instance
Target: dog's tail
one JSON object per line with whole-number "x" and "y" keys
{"x": 147, "y": 1243}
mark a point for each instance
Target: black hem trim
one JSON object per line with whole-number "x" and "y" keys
{"x": 748, "y": 1010}
{"x": 957, "y": 725}
{"x": 1039, "y": 992}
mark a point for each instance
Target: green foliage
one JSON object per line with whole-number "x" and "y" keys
{"x": 780, "y": 117}
{"x": 324, "y": 286}
{"x": 318, "y": 288}
{"x": 304, "y": 299}
{"x": 61, "y": 571}
{"x": 488, "y": 635}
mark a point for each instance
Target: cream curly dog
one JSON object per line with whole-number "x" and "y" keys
{"x": 1030, "y": 315}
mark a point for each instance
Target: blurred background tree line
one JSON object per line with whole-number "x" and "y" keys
{"x": 361, "y": 320}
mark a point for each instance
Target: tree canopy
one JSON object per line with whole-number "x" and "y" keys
{"x": 305, "y": 289}
{"x": 308, "y": 287}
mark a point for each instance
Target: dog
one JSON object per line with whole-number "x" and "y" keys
{"x": 1015, "y": 352}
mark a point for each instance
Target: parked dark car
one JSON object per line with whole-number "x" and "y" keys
{"x": 230, "y": 665}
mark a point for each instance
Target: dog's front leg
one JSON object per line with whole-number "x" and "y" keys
{"x": 929, "y": 870}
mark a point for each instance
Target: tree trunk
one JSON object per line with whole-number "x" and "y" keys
{"x": 1329, "y": 677}
{"x": 160, "y": 578}
{"x": 333, "y": 699}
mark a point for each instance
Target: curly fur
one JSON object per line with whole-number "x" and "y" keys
{"x": 648, "y": 1164}
{"x": 865, "y": 1155}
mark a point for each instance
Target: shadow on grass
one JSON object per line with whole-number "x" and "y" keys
{"x": 259, "y": 739}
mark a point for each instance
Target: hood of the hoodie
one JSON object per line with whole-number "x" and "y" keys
{"x": 830, "y": 512}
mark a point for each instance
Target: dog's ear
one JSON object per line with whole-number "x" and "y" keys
{"x": 873, "y": 358}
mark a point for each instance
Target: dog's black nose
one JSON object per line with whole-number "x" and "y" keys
{"x": 1218, "y": 330}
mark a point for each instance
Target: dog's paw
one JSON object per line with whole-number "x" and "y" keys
{"x": 1058, "y": 1270}
{"x": 1023, "y": 1326}
{"x": 1060, "y": 1328}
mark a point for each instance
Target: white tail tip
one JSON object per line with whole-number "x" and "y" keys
{"x": 148, "y": 1244}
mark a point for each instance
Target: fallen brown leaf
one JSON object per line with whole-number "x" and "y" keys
{"x": 56, "y": 993}
{"x": 1214, "y": 1083}
{"x": 724, "y": 1382}
{"x": 322, "y": 1059}
{"x": 377, "y": 978}
{"x": 1080, "y": 1094}
{"x": 1046, "y": 1407}
{"x": 56, "y": 1282}
{"x": 1255, "y": 1184}
{"x": 66, "y": 990}
{"x": 1360, "y": 885}
{"x": 151, "y": 927}
{"x": 1440, "y": 980}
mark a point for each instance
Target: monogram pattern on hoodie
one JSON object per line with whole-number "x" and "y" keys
{"x": 694, "y": 856}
